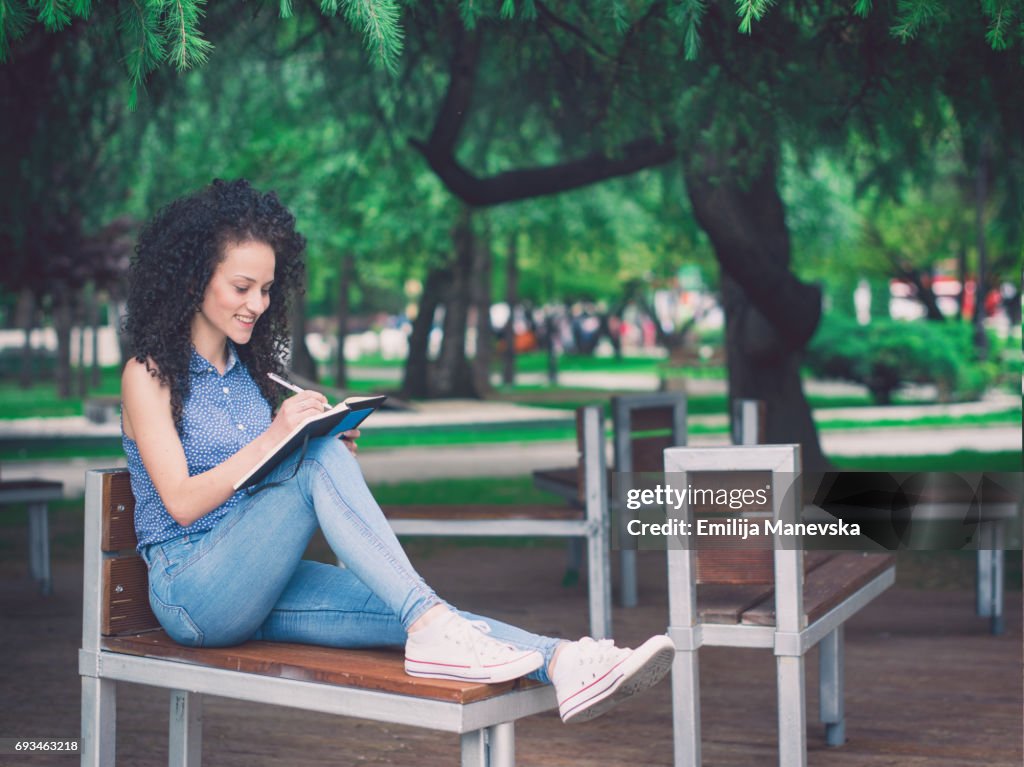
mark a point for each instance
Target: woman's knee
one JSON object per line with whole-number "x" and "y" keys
{"x": 332, "y": 454}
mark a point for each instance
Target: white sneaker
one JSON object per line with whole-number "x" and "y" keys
{"x": 452, "y": 647}
{"x": 591, "y": 676}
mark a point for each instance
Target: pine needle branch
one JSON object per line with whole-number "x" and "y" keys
{"x": 53, "y": 14}
{"x": 469, "y": 12}
{"x": 187, "y": 47}
{"x": 14, "y": 21}
{"x": 862, "y": 8}
{"x": 750, "y": 11}
{"x": 378, "y": 21}
{"x": 1001, "y": 16}
{"x": 620, "y": 16}
{"x": 139, "y": 22}
{"x": 688, "y": 15}
{"x": 914, "y": 14}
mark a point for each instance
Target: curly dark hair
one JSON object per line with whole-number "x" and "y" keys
{"x": 174, "y": 260}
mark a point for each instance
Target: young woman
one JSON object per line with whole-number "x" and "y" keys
{"x": 207, "y": 311}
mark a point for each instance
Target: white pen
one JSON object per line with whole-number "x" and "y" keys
{"x": 289, "y": 385}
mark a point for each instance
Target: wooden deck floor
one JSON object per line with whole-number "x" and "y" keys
{"x": 926, "y": 684}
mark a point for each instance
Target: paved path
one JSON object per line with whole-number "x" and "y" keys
{"x": 520, "y": 459}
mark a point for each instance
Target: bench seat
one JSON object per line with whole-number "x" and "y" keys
{"x": 36, "y": 494}
{"x": 364, "y": 669}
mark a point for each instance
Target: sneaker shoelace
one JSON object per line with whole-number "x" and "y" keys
{"x": 599, "y": 652}
{"x": 472, "y": 635}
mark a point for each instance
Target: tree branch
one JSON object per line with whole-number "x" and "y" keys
{"x": 540, "y": 181}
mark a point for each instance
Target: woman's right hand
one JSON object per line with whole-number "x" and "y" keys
{"x": 295, "y": 410}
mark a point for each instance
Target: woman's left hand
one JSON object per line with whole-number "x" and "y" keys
{"x": 348, "y": 438}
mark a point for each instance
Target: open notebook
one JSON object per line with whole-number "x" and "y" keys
{"x": 331, "y": 423}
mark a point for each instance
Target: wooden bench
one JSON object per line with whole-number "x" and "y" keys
{"x": 947, "y": 503}
{"x": 122, "y": 642}
{"x": 769, "y": 595}
{"x": 36, "y": 494}
{"x": 587, "y": 522}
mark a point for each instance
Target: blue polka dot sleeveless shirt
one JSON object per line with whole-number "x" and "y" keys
{"x": 221, "y": 415}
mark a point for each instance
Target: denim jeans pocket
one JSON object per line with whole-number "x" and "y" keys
{"x": 178, "y": 553}
{"x": 176, "y": 621}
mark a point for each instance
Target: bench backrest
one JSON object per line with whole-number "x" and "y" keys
{"x": 725, "y": 468}
{"x": 643, "y": 426}
{"x": 116, "y": 578}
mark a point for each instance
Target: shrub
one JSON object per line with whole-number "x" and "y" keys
{"x": 887, "y": 354}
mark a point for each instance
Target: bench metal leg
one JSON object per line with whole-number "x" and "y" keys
{"x": 686, "y": 709}
{"x": 39, "y": 546}
{"x": 990, "y": 574}
{"x": 185, "y": 733}
{"x": 573, "y": 560}
{"x": 599, "y": 586}
{"x": 99, "y": 721}
{"x": 490, "y": 747}
{"x": 831, "y": 685}
{"x": 792, "y": 711}
{"x": 627, "y": 564}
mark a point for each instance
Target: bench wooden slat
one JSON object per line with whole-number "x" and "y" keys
{"x": 381, "y": 669}
{"x": 725, "y": 602}
{"x": 118, "y": 513}
{"x": 30, "y": 491}
{"x": 649, "y": 452}
{"x": 126, "y": 597}
{"x": 658, "y": 418}
{"x": 826, "y": 586}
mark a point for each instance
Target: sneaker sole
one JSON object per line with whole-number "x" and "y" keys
{"x": 647, "y": 666}
{"x": 506, "y": 672}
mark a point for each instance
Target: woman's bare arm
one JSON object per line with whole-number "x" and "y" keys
{"x": 148, "y": 420}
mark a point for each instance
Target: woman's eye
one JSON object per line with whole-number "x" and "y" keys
{"x": 240, "y": 289}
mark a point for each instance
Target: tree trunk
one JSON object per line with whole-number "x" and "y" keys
{"x": 96, "y": 377}
{"x": 348, "y": 265}
{"x": 481, "y": 297}
{"x": 553, "y": 346}
{"x": 84, "y": 310}
{"x": 770, "y": 315}
{"x": 414, "y": 381}
{"x": 26, "y": 321}
{"x": 981, "y": 278}
{"x": 925, "y": 294}
{"x": 302, "y": 361}
{"x": 452, "y": 374}
{"x": 508, "y": 372}
{"x": 961, "y": 268}
{"x": 63, "y": 311}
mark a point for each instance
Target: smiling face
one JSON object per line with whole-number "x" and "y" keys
{"x": 237, "y": 294}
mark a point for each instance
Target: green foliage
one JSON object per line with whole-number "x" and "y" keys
{"x": 687, "y": 14}
{"x": 186, "y": 47}
{"x": 886, "y": 354}
{"x": 750, "y": 11}
{"x": 14, "y": 22}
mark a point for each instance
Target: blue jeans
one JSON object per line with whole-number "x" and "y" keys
{"x": 246, "y": 579}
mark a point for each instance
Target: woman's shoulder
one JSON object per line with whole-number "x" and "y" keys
{"x": 140, "y": 375}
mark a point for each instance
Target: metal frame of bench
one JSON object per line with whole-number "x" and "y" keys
{"x": 36, "y": 494}
{"x": 785, "y": 625}
{"x": 483, "y": 715}
{"x": 659, "y": 421}
{"x": 493, "y": 520}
